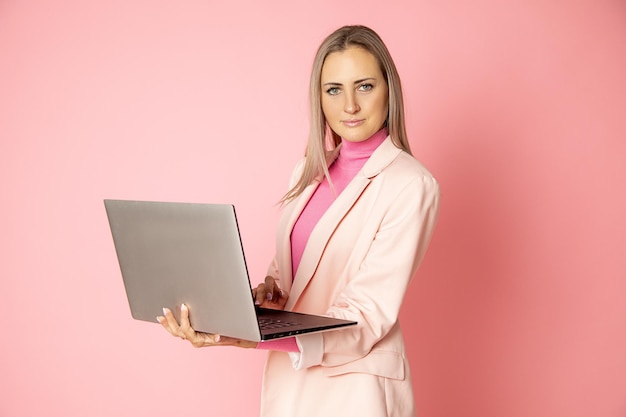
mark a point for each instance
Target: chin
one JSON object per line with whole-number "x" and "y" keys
{"x": 356, "y": 137}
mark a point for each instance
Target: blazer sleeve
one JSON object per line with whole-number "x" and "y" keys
{"x": 373, "y": 297}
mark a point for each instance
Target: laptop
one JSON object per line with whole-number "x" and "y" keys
{"x": 174, "y": 253}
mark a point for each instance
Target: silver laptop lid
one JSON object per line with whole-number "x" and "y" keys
{"x": 174, "y": 253}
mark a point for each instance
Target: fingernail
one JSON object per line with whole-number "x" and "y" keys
{"x": 257, "y": 303}
{"x": 183, "y": 306}
{"x": 217, "y": 338}
{"x": 164, "y": 310}
{"x": 269, "y": 296}
{"x": 159, "y": 319}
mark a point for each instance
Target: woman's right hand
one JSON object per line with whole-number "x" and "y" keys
{"x": 269, "y": 295}
{"x": 197, "y": 339}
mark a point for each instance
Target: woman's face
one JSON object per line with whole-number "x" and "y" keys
{"x": 355, "y": 96}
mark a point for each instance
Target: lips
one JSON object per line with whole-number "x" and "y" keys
{"x": 353, "y": 122}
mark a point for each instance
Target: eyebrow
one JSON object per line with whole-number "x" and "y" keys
{"x": 332, "y": 83}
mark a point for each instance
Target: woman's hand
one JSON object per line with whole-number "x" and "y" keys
{"x": 197, "y": 339}
{"x": 268, "y": 295}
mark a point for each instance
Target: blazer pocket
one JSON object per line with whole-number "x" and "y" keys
{"x": 386, "y": 364}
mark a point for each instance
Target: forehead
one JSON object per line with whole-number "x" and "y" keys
{"x": 353, "y": 63}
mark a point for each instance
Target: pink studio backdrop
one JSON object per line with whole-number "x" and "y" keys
{"x": 518, "y": 107}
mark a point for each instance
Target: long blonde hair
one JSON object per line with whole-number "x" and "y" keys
{"x": 322, "y": 139}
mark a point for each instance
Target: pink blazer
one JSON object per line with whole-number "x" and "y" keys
{"x": 357, "y": 264}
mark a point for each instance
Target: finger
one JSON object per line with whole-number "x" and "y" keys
{"x": 170, "y": 321}
{"x": 164, "y": 323}
{"x": 229, "y": 341}
{"x": 226, "y": 341}
{"x": 259, "y": 294}
{"x": 271, "y": 289}
{"x": 284, "y": 296}
{"x": 186, "y": 331}
{"x": 184, "y": 316}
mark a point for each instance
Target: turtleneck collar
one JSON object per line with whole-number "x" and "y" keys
{"x": 354, "y": 154}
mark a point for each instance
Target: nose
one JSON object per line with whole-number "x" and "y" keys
{"x": 351, "y": 105}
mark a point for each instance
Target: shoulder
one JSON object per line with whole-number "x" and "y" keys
{"x": 404, "y": 168}
{"x": 407, "y": 179}
{"x": 408, "y": 165}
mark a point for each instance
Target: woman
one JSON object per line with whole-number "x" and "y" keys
{"x": 354, "y": 228}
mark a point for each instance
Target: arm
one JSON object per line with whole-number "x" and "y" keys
{"x": 374, "y": 294}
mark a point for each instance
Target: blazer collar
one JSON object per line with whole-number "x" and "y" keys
{"x": 379, "y": 160}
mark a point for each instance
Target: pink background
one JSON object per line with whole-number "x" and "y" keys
{"x": 517, "y": 107}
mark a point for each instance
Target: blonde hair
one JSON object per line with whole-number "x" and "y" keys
{"x": 322, "y": 139}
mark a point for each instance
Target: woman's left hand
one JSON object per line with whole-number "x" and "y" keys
{"x": 269, "y": 295}
{"x": 197, "y": 339}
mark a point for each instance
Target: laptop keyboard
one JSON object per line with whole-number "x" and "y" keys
{"x": 269, "y": 323}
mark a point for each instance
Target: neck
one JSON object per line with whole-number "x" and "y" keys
{"x": 358, "y": 152}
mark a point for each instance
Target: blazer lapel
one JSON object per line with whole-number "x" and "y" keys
{"x": 287, "y": 221}
{"x": 327, "y": 224}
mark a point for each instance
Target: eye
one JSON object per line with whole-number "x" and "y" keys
{"x": 333, "y": 91}
{"x": 365, "y": 87}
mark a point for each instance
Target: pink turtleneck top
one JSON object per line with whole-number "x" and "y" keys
{"x": 352, "y": 157}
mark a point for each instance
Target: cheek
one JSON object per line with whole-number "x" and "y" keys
{"x": 328, "y": 109}
{"x": 382, "y": 106}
